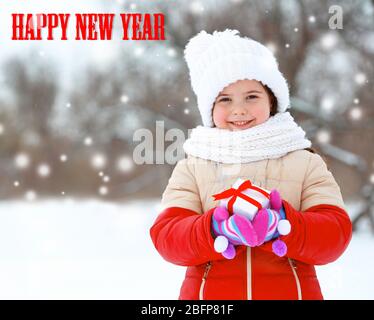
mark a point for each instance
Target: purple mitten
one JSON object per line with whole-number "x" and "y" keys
{"x": 271, "y": 223}
{"x": 230, "y": 231}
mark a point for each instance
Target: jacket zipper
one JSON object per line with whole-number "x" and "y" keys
{"x": 249, "y": 274}
{"x": 298, "y": 286}
{"x": 201, "y": 291}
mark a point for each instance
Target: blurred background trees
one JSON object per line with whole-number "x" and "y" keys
{"x": 67, "y": 121}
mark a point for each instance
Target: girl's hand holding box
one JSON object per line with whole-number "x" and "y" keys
{"x": 252, "y": 227}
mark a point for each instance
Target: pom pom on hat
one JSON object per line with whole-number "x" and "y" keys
{"x": 224, "y": 57}
{"x": 197, "y": 45}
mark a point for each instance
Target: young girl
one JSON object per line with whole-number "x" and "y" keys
{"x": 247, "y": 134}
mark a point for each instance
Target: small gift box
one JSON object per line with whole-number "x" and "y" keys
{"x": 244, "y": 198}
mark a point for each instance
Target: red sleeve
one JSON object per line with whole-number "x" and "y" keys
{"x": 319, "y": 235}
{"x": 183, "y": 237}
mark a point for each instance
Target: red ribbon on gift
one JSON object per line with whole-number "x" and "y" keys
{"x": 234, "y": 193}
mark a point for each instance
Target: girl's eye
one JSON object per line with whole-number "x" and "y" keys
{"x": 248, "y": 97}
{"x": 252, "y": 96}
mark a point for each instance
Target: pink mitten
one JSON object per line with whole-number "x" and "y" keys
{"x": 230, "y": 231}
{"x": 271, "y": 223}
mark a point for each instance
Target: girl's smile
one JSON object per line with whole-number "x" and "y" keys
{"x": 241, "y": 124}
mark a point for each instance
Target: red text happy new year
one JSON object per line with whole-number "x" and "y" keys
{"x": 88, "y": 26}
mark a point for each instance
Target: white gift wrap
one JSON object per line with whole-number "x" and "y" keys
{"x": 244, "y": 207}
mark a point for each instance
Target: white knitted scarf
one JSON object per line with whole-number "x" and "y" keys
{"x": 272, "y": 139}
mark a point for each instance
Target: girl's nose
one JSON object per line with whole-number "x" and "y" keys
{"x": 239, "y": 109}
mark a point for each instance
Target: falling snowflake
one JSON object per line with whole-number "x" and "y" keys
{"x": 327, "y": 104}
{"x": 171, "y": 52}
{"x": 22, "y": 160}
{"x": 98, "y": 161}
{"x": 323, "y": 136}
{"x": 124, "y": 98}
{"x": 30, "y": 195}
{"x": 186, "y": 111}
{"x": 312, "y": 19}
{"x": 360, "y": 78}
{"x": 186, "y": 99}
{"x": 328, "y": 41}
{"x": 103, "y": 190}
{"x": 125, "y": 164}
{"x": 1, "y": 128}
{"x": 272, "y": 47}
{"x": 16, "y": 183}
{"x": 356, "y": 101}
{"x": 196, "y": 7}
{"x": 138, "y": 51}
{"x": 372, "y": 178}
{"x": 68, "y": 105}
{"x": 44, "y": 170}
{"x": 88, "y": 141}
{"x": 106, "y": 179}
{"x": 356, "y": 113}
{"x": 63, "y": 158}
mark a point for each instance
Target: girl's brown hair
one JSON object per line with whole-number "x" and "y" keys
{"x": 273, "y": 100}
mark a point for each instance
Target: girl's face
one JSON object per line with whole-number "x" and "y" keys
{"x": 241, "y": 105}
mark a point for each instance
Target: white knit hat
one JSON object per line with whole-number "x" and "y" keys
{"x": 219, "y": 59}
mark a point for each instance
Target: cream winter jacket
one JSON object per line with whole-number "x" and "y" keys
{"x": 301, "y": 177}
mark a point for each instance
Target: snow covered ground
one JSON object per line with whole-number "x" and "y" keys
{"x": 95, "y": 250}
